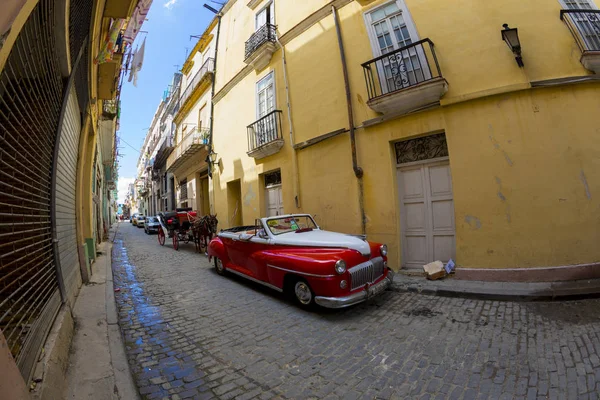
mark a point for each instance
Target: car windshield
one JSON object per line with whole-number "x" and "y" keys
{"x": 152, "y": 219}
{"x": 278, "y": 226}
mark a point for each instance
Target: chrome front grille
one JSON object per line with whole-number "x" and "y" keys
{"x": 366, "y": 272}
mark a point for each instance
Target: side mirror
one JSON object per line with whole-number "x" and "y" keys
{"x": 262, "y": 234}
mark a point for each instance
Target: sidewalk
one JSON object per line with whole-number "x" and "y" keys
{"x": 411, "y": 282}
{"x": 98, "y": 367}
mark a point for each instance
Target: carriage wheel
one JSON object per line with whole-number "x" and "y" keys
{"x": 175, "y": 241}
{"x": 161, "y": 237}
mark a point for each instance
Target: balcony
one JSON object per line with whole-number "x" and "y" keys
{"x": 192, "y": 143}
{"x": 264, "y": 136}
{"x": 585, "y": 28}
{"x": 200, "y": 81}
{"x": 163, "y": 152}
{"x": 196, "y": 86}
{"x": 260, "y": 47}
{"x": 403, "y": 80}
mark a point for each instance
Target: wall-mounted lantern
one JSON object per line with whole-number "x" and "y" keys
{"x": 511, "y": 37}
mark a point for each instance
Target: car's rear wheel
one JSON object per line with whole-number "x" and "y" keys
{"x": 219, "y": 266}
{"x": 303, "y": 293}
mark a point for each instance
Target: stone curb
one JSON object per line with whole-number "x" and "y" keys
{"x": 126, "y": 388}
{"x": 528, "y": 291}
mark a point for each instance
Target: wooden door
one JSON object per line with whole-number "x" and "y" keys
{"x": 426, "y": 213}
{"x": 274, "y": 198}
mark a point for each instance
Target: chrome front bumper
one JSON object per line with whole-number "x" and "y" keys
{"x": 341, "y": 302}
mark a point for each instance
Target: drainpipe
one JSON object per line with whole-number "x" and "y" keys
{"x": 212, "y": 96}
{"x": 212, "y": 108}
{"x": 358, "y": 171}
{"x": 296, "y": 178}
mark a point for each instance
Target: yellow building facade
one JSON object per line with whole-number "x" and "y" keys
{"x": 460, "y": 152}
{"x": 187, "y": 162}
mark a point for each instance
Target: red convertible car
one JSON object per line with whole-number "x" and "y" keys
{"x": 291, "y": 254}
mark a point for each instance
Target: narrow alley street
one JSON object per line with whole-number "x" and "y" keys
{"x": 190, "y": 333}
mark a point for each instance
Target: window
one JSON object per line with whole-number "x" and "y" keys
{"x": 390, "y": 28}
{"x": 265, "y": 96}
{"x": 267, "y": 14}
{"x": 273, "y": 178}
{"x": 586, "y": 23}
{"x": 579, "y": 4}
{"x": 183, "y": 192}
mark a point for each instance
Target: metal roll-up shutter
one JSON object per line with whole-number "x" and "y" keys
{"x": 31, "y": 91}
{"x": 64, "y": 192}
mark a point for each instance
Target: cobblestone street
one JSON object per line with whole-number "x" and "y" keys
{"x": 190, "y": 333}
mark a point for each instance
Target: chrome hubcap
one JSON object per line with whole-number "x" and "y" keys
{"x": 219, "y": 265}
{"x": 303, "y": 293}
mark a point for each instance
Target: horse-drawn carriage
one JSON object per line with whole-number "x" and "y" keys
{"x": 184, "y": 225}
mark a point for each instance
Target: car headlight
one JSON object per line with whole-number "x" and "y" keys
{"x": 340, "y": 266}
{"x": 383, "y": 250}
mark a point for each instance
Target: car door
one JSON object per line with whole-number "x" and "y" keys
{"x": 245, "y": 251}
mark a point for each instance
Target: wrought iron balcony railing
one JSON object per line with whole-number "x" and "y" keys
{"x": 401, "y": 69}
{"x": 584, "y": 26}
{"x": 264, "y": 34}
{"x": 207, "y": 67}
{"x": 265, "y": 130}
{"x": 192, "y": 142}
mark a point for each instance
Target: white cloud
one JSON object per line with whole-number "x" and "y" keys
{"x": 122, "y": 188}
{"x": 169, "y": 4}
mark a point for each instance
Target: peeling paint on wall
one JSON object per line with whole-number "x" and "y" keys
{"x": 497, "y": 146}
{"x": 473, "y": 222}
{"x": 249, "y": 196}
{"x": 503, "y": 199}
{"x": 585, "y": 185}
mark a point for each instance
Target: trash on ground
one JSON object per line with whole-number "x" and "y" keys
{"x": 434, "y": 270}
{"x": 450, "y": 267}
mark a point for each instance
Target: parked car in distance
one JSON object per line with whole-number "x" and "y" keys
{"x": 132, "y": 217}
{"x": 138, "y": 220}
{"x": 291, "y": 254}
{"x": 151, "y": 224}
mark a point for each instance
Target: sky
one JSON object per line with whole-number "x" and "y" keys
{"x": 169, "y": 24}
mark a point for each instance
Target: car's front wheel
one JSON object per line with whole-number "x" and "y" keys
{"x": 219, "y": 266}
{"x": 303, "y": 293}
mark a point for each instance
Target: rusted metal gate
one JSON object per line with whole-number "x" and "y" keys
{"x": 34, "y": 99}
{"x": 31, "y": 91}
{"x": 67, "y": 150}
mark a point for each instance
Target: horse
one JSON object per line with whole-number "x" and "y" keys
{"x": 204, "y": 228}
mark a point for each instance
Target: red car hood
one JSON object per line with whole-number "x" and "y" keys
{"x": 319, "y": 238}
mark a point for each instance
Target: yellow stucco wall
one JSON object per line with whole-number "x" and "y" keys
{"x": 524, "y": 162}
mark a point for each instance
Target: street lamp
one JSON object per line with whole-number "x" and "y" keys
{"x": 511, "y": 37}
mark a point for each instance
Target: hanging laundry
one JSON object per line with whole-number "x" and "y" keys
{"x": 131, "y": 67}
{"x": 137, "y": 20}
{"x": 108, "y": 47}
{"x": 136, "y": 64}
